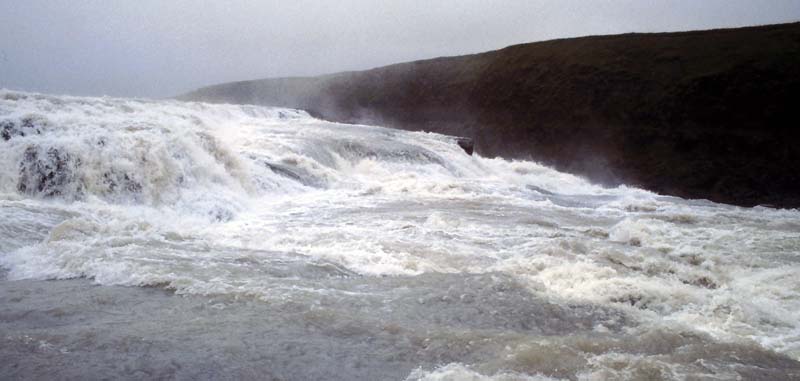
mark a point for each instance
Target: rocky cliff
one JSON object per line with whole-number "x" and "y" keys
{"x": 706, "y": 114}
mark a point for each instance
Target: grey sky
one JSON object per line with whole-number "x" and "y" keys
{"x": 158, "y": 48}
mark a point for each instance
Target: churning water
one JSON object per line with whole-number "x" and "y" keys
{"x": 395, "y": 253}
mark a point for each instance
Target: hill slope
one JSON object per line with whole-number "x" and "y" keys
{"x": 708, "y": 114}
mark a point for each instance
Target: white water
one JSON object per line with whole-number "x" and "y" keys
{"x": 270, "y": 203}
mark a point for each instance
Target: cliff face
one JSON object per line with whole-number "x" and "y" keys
{"x": 707, "y": 114}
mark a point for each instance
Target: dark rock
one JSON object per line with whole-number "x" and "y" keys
{"x": 47, "y": 172}
{"x": 122, "y": 183}
{"x": 707, "y": 114}
{"x": 30, "y": 124}
{"x": 8, "y": 129}
{"x": 704, "y": 282}
{"x": 467, "y": 144}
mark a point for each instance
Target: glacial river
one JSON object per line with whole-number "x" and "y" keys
{"x": 279, "y": 246}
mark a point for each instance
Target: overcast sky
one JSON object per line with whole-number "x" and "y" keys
{"x": 159, "y": 48}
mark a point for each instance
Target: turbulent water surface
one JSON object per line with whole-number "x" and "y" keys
{"x": 311, "y": 249}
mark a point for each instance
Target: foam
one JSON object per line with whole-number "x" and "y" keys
{"x": 211, "y": 199}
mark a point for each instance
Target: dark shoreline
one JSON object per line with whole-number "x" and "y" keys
{"x": 702, "y": 114}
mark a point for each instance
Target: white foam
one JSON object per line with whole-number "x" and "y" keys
{"x": 210, "y": 187}
{"x": 459, "y": 372}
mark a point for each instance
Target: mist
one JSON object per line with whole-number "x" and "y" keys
{"x": 158, "y": 49}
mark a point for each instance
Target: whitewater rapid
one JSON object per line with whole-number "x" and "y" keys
{"x": 272, "y": 204}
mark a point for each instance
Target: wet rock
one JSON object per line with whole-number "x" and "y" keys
{"x": 8, "y": 129}
{"x": 467, "y": 144}
{"x": 704, "y": 282}
{"x": 125, "y": 183}
{"x": 28, "y": 125}
{"x": 47, "y": 172}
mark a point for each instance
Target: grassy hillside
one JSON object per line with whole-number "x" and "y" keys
{"x": 707, "y": 114}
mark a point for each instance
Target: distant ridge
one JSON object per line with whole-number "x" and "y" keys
{"x": 701, "y": 114}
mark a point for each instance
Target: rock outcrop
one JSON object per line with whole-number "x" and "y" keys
{"x": 46, "y": 172}
{"x": 31, "y": 124}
